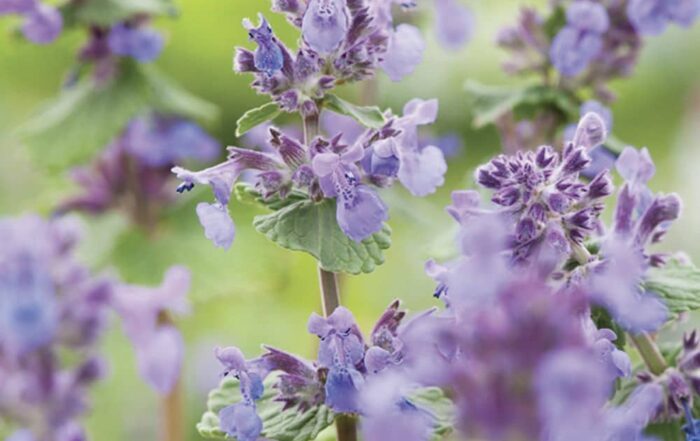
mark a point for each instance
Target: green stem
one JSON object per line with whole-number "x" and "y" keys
{"x": 172, "y": 405}
{"x": 345, "y": 428}
{"x": 647, "y": 348}
{"x": 346, "y": 425}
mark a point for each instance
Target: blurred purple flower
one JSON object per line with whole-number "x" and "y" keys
{"x": 404, "y": 53}
{"x": 580, "y": 41}
{"x": 139, "y": 42}
{"x": 454, "y": 23}
{"x": 43, "y": 24}
{"x": 325, "y": 25}
{"x": 145, "y": 317}
{"x": 650, "y": 17}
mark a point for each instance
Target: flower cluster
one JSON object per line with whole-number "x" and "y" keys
{"x": 42, "y": 23}
{"x": 342, "y": 41}
{"x": 50, "y": 307}
{"x": 134, "y": 170}
{"x": 543, "y": 194}
{"x": 328, "y": 168}
{"x": 336, "y": 379}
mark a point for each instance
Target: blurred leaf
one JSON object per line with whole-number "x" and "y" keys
{"x": 555, "y": 22}
{"x": 82, "y": 119}
{"x": 278, "y": 424}
{"x": 257, "y": 116}
{"x": 371, "y": 117}
{"x": 615, "y": 144}
{"x": 489, "y": 103}
{"x": 107, "y": 12}
{"x": 434, "y": 400}
{"x": 677, "y": 284}
{"x": 312, "y": 227}
{"x": 667, "y": 431}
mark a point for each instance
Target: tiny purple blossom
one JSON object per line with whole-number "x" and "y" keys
{"x": 580, "y": 41}
{"x": 325, "y": 25}
{"x": 404, "y": 53}
{"x": 454, "y": 23}
{"x": 139, "y": 42}
{"x": 43, "y": 24}
{"x": 268, "y": 57}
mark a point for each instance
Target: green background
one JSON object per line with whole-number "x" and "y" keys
{"x": 258, "y": 293}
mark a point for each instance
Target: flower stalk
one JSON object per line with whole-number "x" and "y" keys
{"x": 345, "y": 425}
{"x": 647, "y": 348}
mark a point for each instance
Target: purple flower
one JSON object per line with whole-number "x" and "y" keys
{"x": 139, "y": 42}
{"x": 454, "y": 23}
{"x": 593, "y": 106}
{"x": 651, "y": 17}
{"x": 404, "y": 53}
{"x": 617, "y": 287}
{"x": 43, "y": 24}
{"x": 325, "y": 25}
{"x": 240, "y": 421}
{"x": 158, "y": 344}
{"x": 543, "y": 196}
{"x": 16, "y": 6}
{"x": 360, "y": 213}
{"x": 580, "y": 41}
{"x": 268, "y": 55}
{"x": 342, "y": 352}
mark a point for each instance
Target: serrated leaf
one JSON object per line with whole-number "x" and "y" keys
{"x": 312, "y": 227}
{"x": 108, "y": 12}
{"x": 434, "y": 400}
{"x": 254, "y": 117}
{"x": 278, "y": 424}
{"x": 677, "y": 284}
{"x": 82, "y": 119}
{"x": 489, "y": 103}
{"x": 247, "y": 194}
{"x": 368, "y": 116}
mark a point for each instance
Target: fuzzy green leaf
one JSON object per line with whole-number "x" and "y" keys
{"x": 312, "y": 227}
{"x": 82, "y": 119}
{"x": 677, "y": 284}
{"x": 278, "y": 424}
{"x": 435, "y": 401}
{"x": 368, "y": 116}
{"x": 254, "y": 117}
{"x": 108, "y": 12}
{"x": 489, "y": 103}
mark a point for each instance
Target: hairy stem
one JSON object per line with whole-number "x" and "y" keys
{"x": 647, "y": 348}
{"x": 172, "y": 418}
{"x": 346, "y": 425}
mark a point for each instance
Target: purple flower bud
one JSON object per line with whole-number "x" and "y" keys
{"x": 526, "y": 230}
{"x": 573, "y": 50}
{"x": 43, "y": 24}
{"x": 557, "y": 202}
{"x": 591, "y": 131}
{"x": 244, "y": 61}
{"x": 506, "y": 197}
{"x": 592, "y": 106}
{"x": 577, "y": 160}
{"x": 588, "y": 16}
{"x": 141, "y": 43}
{"x": 231, "y": 357}
{"x": 662, "y": 209}
{"x": 601, "y": 186}
{"x": 325, "y": 25}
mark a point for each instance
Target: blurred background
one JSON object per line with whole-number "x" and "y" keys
{"x": 258, "y": 293}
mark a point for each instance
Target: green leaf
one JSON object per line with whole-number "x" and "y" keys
{"x": 82, "y": 119}
{"x": 247, "y": 194}
{"x": 677, "y": 284}
{"x": 489, "y": 103}
{"x": 278, "y": 424}
{"x": 107, "y": 12}
{"x": 257, "y": 116}
{"x": 368, "y": 116}
{"x": 434, "y": 400}
{"x": 312, "y": 227}
{"x": 555, "y": 22}
{"x": 603, "y": 320}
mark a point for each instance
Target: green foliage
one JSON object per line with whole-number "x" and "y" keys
{"x": 555, "y": 22}
{"x": 247, "y": 193}
{"x": 603, "y": 320}
{"x": 254, "y": 117}
{"x": 278, "y": 424}
{"x": 489, "y": 103}
{"x": 107, "y": 12}
{"x": 677, "y": 284}
{"x": 312, "y": 227}
{"x": 82, "y": 119}
{"x": 434, "y": 400}
{"x": 370, "y": 116}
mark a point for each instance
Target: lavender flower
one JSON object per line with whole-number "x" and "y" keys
{"x": 268, "y": 56}
{"x": 42, "y": 23}
{"x": 139, "y": 160}
{"x": 145, "y": 315}
{"x": 580, "y": 41}
{"x": 542, "y": 193}
{"x": 325, "y": 25}
{"x": 651, "y": 17}
{"x": 136, "y": 41}
{"x": 51, "y": 306}
{"x": 454, "y": 23}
